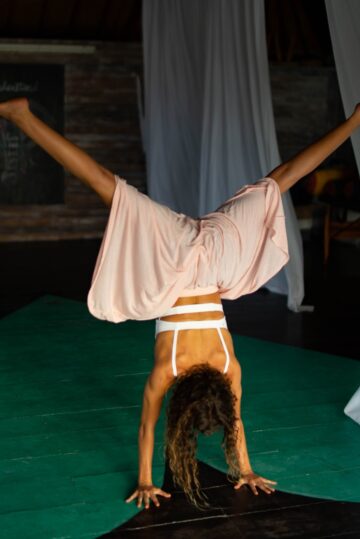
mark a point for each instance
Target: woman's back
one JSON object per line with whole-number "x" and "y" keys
{"x": 195, "y": 346}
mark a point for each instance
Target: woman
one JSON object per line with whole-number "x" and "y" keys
{"x": 155, "y": 263}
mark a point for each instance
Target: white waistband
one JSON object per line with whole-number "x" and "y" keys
{"x": 162, "y": 325}
{"x": 194, "y": 308}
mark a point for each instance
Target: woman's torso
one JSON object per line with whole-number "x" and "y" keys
{"x": 194, "y": 346}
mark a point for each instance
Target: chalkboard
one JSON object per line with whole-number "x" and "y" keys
{"x": 27, "y": 174}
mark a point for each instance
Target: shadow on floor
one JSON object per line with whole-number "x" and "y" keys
{"x": 234, "y": 514}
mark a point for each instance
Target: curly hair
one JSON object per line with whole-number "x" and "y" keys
{"x": 202, "y": 402}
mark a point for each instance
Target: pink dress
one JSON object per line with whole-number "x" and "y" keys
{"x": 151, "y": 255}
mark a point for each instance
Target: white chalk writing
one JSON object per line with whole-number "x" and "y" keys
{"x": 6, "y": 86}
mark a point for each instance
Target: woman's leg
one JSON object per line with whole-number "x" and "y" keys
{"x": 70, "y": 156}
{"x": 288, "y": 173}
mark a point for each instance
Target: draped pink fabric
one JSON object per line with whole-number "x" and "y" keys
{"x": 150, "y": 254}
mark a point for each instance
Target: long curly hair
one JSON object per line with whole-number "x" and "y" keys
{"x": 202, "y": 402}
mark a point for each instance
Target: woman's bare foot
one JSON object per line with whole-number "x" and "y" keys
{"x": 14, "y": 108}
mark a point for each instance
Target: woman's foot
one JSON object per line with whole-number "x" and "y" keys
{"x": 14, "y": 108}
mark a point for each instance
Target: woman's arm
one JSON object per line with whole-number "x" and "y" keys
{"x": 289, "y": 172}
{"x": 247, "y": 476}
{"x": 155, "y": 388}
{"x": 152, "y": 400}
{"x": 243, "y": 456}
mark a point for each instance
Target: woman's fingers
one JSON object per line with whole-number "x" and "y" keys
{"x": 132, "y": 497}
{"x": 140, "y": 498}
{"x": 260, "y": 482}
{"x": 163, "y": 493}
{"x": 144, "y": 496}
{"x": 239, "y": 484}
{"x": 159, "y": 492}
{"x": 147, "y": 500}
{"x": 154, "y": 499}
{"x": 265, "y": 488}
{"x": 266, "y": 485}
{"x": 268, "y": 480}
{"x": 256, "y": 482}
{"x": 253, "y": 487}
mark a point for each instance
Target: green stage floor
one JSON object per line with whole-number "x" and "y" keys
{"x": 71, "y": 389}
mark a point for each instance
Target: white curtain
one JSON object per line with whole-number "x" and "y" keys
{"x": 344, "y": 25}
{"x": 208, "y": 127}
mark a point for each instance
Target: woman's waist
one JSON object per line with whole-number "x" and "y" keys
{"x": 195, "y": 308}
{"x": 180, "y": 325}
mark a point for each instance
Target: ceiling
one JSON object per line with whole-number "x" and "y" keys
{"x": 109, "y": 20}
{"x": 297, "y": 30}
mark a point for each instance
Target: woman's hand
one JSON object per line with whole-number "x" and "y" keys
{"x": 145, "y": 493}
{"x": 254, "y": 480}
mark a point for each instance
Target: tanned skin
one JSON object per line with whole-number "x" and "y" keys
{"x": 194, "y": 346}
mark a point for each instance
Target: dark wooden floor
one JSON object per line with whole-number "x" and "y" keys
{"x": 64, "y": 268}
{"x": 241, "y": 514}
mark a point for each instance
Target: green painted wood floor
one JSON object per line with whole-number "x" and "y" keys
{"x": 71, "y": 390}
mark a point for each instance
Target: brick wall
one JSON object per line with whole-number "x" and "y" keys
{"x": 101, "y": 116}
{"x": 307, "y": 103}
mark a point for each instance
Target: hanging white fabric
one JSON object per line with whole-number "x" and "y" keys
{"x": 344, "y": 18}
{"x": 209, "y": 127}
{"x": 352, "y": 408}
